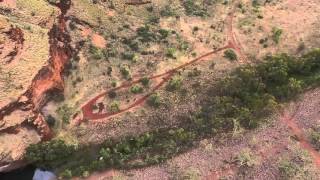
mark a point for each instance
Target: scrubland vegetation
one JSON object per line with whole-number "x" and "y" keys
{"x": 246, "y": 97}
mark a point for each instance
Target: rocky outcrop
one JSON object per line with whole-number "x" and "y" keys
{"x": 26, "y": 109}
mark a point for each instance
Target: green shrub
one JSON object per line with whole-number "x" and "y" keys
{"x": 315, "y": 138}
{"x": 154, "y": 100}
{"x": 125, "y": 72}
{"x": 276, "y": 34}
{"x": 251, "y": 93}
{"x": 194, "y": 72}
{"x": 288, "y": 169}
{"x": 171, "y": 53}
{"x": 50, "y": 120}
{"x": 153, "y": 19}
{"x": 145, "y": 34}
{"x": 112, "y": 94}
{"x": 195, "y": 29}
{"x": 190, "y": 174}
{"x": 95, "y": 52}
{"x": 128, "y": 55}
{"x": 64, "y": 113}
{"x": 193, "y": 9}
{"x": 145, "y": 81}
{"x": 174, "y": 84}
{"x": 163, "y": 33}
{"x": 167, "y": 11}
{"x": 66, "y": 174}
{"x": 49, "y": 154}
{"x": 136, "y": 89}
{"x": 246, "y": 158}
{"x": 114, "y": 107}
{"x": 230, "y": 54}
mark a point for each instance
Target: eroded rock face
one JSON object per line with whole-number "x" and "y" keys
{"x": 21, "y": 120}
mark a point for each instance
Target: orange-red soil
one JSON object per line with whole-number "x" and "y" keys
{"x": 9, "y": 3}
{"x": 87, "y": 109}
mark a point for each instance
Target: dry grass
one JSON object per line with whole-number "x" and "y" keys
{"x": 35, "y": 53}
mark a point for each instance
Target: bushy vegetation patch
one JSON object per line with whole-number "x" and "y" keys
{"x": 251, "y": 93}
{"x": 230, "y": 54}
{"x": 194, "y": 9}
{"x": 64, "y": 113}
{"x": 136, "y": 89}
{"x": 276, "y": 34}
{"x": 96, "y": 53}
{"x": 49, "y": 154}
{"x": 315, "y": 138}
{"x": 245, "y": 98}
{"x": 174, "y": 84}
{"x": 154, "y": 100}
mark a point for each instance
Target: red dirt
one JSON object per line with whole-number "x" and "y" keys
{"x": 87, "y": 110}
{"x": 232, "y": 37}
{"x": 9, "y": 3}
{"x": 300, "y": 135}
{"x": 270, "y": 152}
{"x": 86, "y": 32}
{"x": 233, "y": 168}
{"x": 98, "y": 41}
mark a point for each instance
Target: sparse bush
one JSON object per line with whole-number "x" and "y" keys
{"x": 64, "y": 113}
{"x": 154, "y": 19}
{"x": 136, "y": 89}
{"x": 49, "y": 154}
{"x": 301, "y": 47}
{"x": 194, "y": 72}
{"x": 163, "y": 33}
{"x": 167, "y": 11}
{"x": 95, "y": 52}
{"x": 128, "y": 55}
{"x": 230, "y": 54}
{"x": 288, "y": 169}
{"x": 154, "y": 100}
{"x": 191, "y": 174}
{"x": 276, "y": 34}
{"x": 109, "y": 70}
{"x": 145, "y": 34}
{"x": 195, "y": 29}
{"x": 149, "y": 8}
{"x": 66, "y": 174}
{"x": 315, "y": 138}
{"x": 174, "y": 84}
{"x": 125, "y": 72}
{"x": 112, "y": 94}
{"x": 114, "y": 83}
{"x": 170, "y": 53}
{"x": 51, "y": 120}
{"x": 114, "y": 107}
{"x": 193, "y": 9}
{"x": 145, "y": 81}
{"x": 246, "y": 159}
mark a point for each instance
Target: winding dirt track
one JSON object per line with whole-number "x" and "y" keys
{"x": 87, "y": 109}
{"x": 300, "y": 135}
